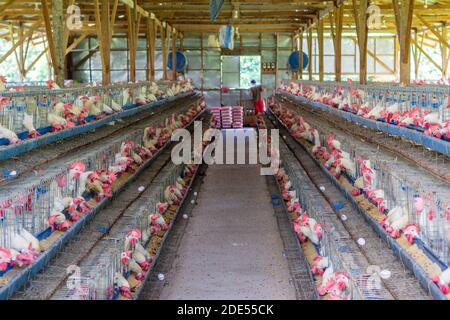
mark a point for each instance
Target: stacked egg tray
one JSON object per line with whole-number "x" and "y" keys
{"x": 238, "y": 117}
{"x": 216, "y": 115}
{"x": 228, "y": 117}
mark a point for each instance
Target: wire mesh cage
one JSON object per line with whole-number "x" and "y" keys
{"x": 417, "y": 107}
{"x": 16, "y": 107}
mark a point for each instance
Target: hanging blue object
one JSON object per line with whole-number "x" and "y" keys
{"x": 181, "y": 61}
{"x": 293, "y": 61}
{"x": 214, "y": 8}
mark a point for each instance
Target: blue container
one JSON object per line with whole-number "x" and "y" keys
{"x": 181, "y": 61}
{"x": 293, "y": 61}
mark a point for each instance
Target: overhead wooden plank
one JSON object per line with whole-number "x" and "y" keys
{"x": 5, "y": 6}
{"x": 403, "y": 10}
{"x": 360, "y": 15}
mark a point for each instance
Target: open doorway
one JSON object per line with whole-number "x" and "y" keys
{"x": 250, "y": 69}
{"x": 236, "y": 76}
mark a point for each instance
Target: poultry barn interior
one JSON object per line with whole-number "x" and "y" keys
{"x": 224, "y": 150}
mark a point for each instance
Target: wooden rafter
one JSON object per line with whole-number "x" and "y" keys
{"x": 433, "y": 30}
{"x": 426, "y": 55}
{"x": 76, "y": 42}
{"x": 17, "y": 44}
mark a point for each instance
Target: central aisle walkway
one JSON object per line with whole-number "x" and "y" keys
{"x": 232, "y": 247}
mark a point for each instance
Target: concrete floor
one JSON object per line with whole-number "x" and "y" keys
{"x": 232, "y": 247}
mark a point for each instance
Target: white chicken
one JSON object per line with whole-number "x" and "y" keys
{"x": 9, "y": 135}
{"x": 375, "y": 113}
{"x": 107, "y": 109}
{"x": 28, "y": 124}
{"x": 115, "y": 106}
{"x": 23, "y": 241}
{"x": 396, "y": 220}
{"x": 123, "y": 285}
{"x": 328, "y": 278}
{"x": 443, "y": 281}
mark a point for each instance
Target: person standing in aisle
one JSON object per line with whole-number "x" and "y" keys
{"x": 258, "y": 101}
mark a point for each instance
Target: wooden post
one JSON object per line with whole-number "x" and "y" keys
{"x": 294, "y": 48}
{"x": 310, "y": 53}
{"x": 360, "y": 15}
{"x": 396, "y": 63}
{"x": 103, "y": 24}
{"x": 403, "y": 11}
{"x": 55, "y": 35}
{"x": 132, "y": 39}
{"x": 444, "y": 50}
{"x": 416, "y": 56}
{"x": 174, "y": 55}
{"x": 300, "y": 56}
{"x": 319, "y": 26}
{"x": 151, "y": 30}
{"x": 58, "y": 38}
{"x": 276, "y": 61}
{"x": 336, "y": 18}
{"x": 164, "y": 49}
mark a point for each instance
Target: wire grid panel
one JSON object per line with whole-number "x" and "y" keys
{"x": 427, "y": 98}
{"x": 332, "y": 242}
{"x": 400, "y": 190}
{"x": 30, "y": 210}
{"x": 40, "y": 102}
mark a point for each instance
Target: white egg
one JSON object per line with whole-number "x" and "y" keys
{"x": 322, "y": 188}
{"x": 385, "y": 274}
{"x": 185, "y": 216}
{"x": 361, "y": 241}
{"x": 141, "y": 188}
{"x": 343, "y": 217}
{"x": 161, "y": 276}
